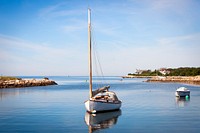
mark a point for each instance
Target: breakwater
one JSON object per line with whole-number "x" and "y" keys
{"x": 179, "y": 79}
{"x": 26, "y": 83}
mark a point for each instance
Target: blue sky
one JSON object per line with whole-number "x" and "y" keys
{"x": 49, "y": 37}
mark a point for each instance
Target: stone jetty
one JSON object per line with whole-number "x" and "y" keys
{"x": 179, "y": 79}
{"x": 26, "y": 83}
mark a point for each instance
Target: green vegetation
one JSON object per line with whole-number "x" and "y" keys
{"x": 182, "y": 71}
{"x": 5, "y": 78}
{"x": 147, "y": 73}
{"x": 151, "y": 73}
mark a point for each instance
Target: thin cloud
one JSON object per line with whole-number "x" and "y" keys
{"x": 75, "y": 25}
{"x": 40, "y": 59}
{"x": 168, "y": 4}
{"x": 11, "y": 44}
{"x": 59, "y": 10}
{"x": 72, "y": 28}
{"x": 186, "y": 40}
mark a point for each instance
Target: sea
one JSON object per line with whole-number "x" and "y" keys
{"x": 146, "y": 107}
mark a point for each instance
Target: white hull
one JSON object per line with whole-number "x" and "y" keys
{"x": 100, "y": 106}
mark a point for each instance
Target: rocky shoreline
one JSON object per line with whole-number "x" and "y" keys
{"x": 195, "y": 80}
{"x": 18, "y": 83}
{"x": 131, "y": 76}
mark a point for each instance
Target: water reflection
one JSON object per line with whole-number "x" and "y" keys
{"x": 101, "y": 120}
{"x": 12, "y": 92}
{"x": 4, "y": 93}
{"x": 182, "y": 101}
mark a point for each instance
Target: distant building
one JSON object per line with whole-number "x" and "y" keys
{"x": 164, "y": 71}
{"x": 138, "y": 71}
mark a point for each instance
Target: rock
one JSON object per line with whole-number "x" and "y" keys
{"x": 46, "y": 78}
{"x": 180, "y": 79}
{"x": 26, "y": 83}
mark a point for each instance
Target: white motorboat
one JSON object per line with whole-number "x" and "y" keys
{"x": 102, "y": 99}
{"x": 182, "y": 92}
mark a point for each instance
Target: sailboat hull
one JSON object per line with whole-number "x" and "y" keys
{"x": 93, "y": 106}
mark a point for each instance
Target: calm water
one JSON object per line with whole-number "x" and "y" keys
{"x": 147, "y": 107}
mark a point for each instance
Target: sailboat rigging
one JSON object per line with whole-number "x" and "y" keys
{"x": 101, "y": 99}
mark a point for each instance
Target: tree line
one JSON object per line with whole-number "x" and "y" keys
{"x": 182, "y": 71}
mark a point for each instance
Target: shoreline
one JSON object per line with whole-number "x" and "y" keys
{"x": 130, "y": 76}
{"x": 193, "y": 80}
{"x": 20, "y": 83}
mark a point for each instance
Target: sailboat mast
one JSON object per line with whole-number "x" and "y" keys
{"x": 90, "y": 51}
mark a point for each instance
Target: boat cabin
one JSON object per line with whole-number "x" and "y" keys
{"x": 106, "y": 95}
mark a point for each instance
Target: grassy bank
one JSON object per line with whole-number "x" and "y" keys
{"x": 7, "y": 78}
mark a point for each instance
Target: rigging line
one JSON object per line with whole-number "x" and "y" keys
{"x": 97, "y": 84}
{"x": 96, "y": 55}
{"x": 99, "y": 63}
{"x": 97, "y": 60}
{"x": 99, "y": 66}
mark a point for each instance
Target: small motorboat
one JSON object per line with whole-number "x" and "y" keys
{"x": 182, "y": 92}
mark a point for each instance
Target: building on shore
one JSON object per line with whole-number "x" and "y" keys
{"x": 164, "y": 71}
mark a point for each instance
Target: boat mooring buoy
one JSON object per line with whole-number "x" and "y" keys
{"x": 187, "y": 97}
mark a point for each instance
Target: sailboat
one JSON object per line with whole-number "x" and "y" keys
{"x": 102, "y": 99}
